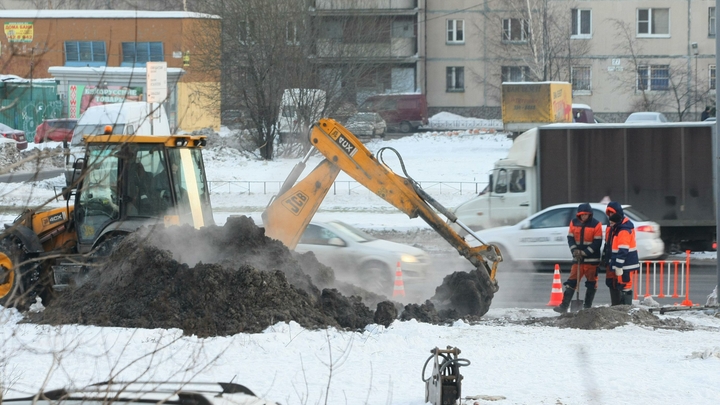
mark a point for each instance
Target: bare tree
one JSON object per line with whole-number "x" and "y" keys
{"x": 264, "y": 48}
{"x": 534, "y": 44}
{"x": 657, "y": 86}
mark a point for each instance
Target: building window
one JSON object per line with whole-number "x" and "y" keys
{"x": 138, "y": 53}
{"x": 581, "y": 79}
{"x": 85, "y": 53}
{"x": 455, "y": 78}
{"x": 581, "y": 23}
{"x": 711, "y": 79}
{"x": 653, "y": 22}
{"x": 514, "y": 73}
{"x": 653, "y": 77}
{"x": 455, "y": 32}
{"x": 515, "y": 30}
{"x": 291, "y": 33}
{"x": 711, "y": 22}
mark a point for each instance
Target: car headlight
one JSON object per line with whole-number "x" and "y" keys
{"x": 408, "y": 258}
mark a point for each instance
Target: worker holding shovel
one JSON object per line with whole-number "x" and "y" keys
{"x": 585, "y": 240}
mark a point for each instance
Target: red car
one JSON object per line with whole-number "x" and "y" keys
{"x": 15, "y": 134}
{"x": 58, "y": 130}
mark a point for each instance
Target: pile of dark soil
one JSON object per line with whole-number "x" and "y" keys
{"x": 221, "y": 281}
{"x": 611, "y": 318}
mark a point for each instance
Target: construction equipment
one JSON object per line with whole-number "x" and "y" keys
{"x": 444, "y": 385}
{"x": 577, "y": 303}
{"x": 288, "y": 214}
{"x": 123, "y": 182}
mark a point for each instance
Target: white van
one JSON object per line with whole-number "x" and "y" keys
{"x": 126, "y": 118}
{"x": 300, "y": 108}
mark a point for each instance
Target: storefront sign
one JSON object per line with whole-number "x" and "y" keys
{"x": 19, "y": 31}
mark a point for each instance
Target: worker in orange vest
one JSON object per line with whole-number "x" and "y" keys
{"x": 584, "y": 239}
{"x": 619, "y": 255}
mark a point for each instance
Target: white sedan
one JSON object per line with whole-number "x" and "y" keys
{"x": 542, "y": 237}
{"x": 361, "y": 259}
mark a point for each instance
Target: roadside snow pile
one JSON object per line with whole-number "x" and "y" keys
{"x": 450, "y": 121}
{"x": 31, "y": 160}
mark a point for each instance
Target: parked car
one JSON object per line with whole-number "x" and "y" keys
{"x": 56, "y": 130}
{"x": 646, "y": 116}
{"x": 366, "y": 124}
{"x": 542, "y": 237}
{"x": 583, "y": 113}
{"x": 362, "y": 259}
{"x": 401, "y": 112}
{"x": 15, "y": 134}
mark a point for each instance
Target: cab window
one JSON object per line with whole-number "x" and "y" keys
{"x": 601, "y": 217}
{"x": 553, "y": 219}
{"x": 315, "y": 235}
{"x": 501, "y": 184}
{"x": 517, "y": 181}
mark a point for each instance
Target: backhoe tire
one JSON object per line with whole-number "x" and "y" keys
{"x": 377, "y": 278}
{"x": 18, "y": 276}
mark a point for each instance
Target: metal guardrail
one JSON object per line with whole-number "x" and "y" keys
{"x": 344, "y": 187}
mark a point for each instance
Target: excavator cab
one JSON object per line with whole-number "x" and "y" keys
{"x": 122, "y": 183}
{"x": 148, "y": 180}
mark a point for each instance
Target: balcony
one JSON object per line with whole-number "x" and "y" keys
{"x": 397, "y": 50}
{"x": 365, "y": 7}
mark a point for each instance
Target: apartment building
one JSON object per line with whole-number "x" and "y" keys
{"x": 385, "y": 35}
{"x": 99, "y": 56}
{"x": 620, "y": 55}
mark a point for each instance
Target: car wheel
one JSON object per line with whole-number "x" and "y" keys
{"x": 377, "y": 278}
{"x": 405, "y": 127}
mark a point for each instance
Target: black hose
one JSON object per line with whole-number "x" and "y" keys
{"x": 444, "y": 365}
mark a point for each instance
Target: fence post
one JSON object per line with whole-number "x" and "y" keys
{"x": 687, "y": 280}
{"x": 675, "y": 281}
{"x": 662, "y": 278}
{"x": 647, "y": 279}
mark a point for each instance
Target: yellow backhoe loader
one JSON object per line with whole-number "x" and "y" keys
{"x": 123, "y": 182}
{"x": 289, "y": 213}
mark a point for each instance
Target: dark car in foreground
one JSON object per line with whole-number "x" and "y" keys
{"x": 15, "y": 134}
{"x": 56, "y": 130}
{"x": 145, "y": 392}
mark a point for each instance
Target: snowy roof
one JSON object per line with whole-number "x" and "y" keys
{"x": 18, "y": 79}
{"x": 34, "y": 14}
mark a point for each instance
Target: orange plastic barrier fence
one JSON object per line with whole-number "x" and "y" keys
{"x": 653, "y": 279}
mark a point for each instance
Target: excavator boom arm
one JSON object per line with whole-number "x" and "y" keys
{"x": 287, "y": 216}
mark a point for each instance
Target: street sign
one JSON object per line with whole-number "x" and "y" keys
{"x": 156, "y": 82}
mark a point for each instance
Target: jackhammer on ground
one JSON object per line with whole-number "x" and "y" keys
{"x": 444, "y": 385}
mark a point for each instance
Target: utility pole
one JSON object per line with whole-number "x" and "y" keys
{"x": 694, "y": 47}
{"x": 717, "y": 157}
{"x": 545, "y": 47}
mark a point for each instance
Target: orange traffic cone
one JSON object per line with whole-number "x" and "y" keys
{"x": 556, "y": 296}
{"x": 399, "y": 289}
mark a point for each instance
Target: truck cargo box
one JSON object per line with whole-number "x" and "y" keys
{"x": 529, "y": 104}
{"x": 664, "y": 171}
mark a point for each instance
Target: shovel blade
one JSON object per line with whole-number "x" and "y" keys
{"x": 576, "y": 305}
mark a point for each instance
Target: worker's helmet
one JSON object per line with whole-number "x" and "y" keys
{"x": 108, "y": 130}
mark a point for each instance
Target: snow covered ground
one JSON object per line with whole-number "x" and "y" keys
{"x": 522, "y": 364}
